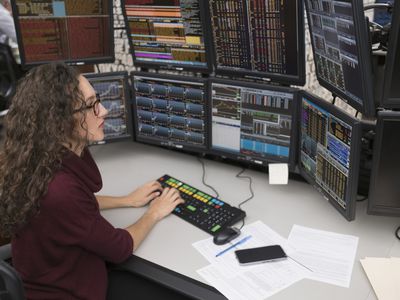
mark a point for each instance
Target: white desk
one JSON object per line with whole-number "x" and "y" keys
{"x": 125, "y": 166}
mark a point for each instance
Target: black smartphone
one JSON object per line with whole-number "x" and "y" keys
{"x": 260, "y": 254}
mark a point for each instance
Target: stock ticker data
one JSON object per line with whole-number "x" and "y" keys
{"x": 167, "y": 32}
{"x": 335, "y": 34}
{"x": 326, "y": 142}
{"x": 170, "y": 111}
{"x": 112, "y": 92}
{"x": 252, "y": 123}
{"x": 260, "y": 37}
{"x": 69, "y": 30}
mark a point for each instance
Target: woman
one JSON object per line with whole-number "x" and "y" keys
{"x": 48, "y": 178}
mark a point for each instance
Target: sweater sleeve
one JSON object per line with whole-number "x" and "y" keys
{"x": 76, "y": 221}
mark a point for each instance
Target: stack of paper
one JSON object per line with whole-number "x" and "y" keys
{"x": 313, "y": 254}
{"x": 384, "y": 274}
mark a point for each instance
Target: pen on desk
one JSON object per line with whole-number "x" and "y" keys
{"x": 243, "y": 240}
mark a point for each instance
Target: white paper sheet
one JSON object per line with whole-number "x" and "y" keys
{"x": 255, "y": 282}
{"x": 383, "y": 274}
{"x": 278, "y": 173}
{"x": 329, "y": 255}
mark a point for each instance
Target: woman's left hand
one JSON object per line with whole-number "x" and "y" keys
{"x": 142, "y": 195}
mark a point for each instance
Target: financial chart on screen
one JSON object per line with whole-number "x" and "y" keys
{"x": 69, "y": 30}
{"x": 261, "y": 38}
{"x": 167, "y": 33}
{"x": 341, "y": 55}
{"x": 170, "y": 111}
{"x": 113, "y": 90}
{"x": 253, "y": 122}
{"x": 329, "y": 141}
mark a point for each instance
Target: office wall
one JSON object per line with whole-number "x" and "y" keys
{"x": 124, "y": 62}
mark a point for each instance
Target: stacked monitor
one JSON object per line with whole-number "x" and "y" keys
{"x": 391, "y": 86}
{"x": 69, "y": 30}
{"x": 384, "y": 191}
{"x": 262, "y": 38}
{"x": 168, "y": 33}
{"x": 171, "y": 111}
{"x": 341, "y": 50}
{"x": 114, "y": 92}
{"x": 252, "y": 122}
{"x": 330, "y": 143}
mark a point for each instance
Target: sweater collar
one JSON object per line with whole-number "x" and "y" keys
{"x": 84, "y": 167}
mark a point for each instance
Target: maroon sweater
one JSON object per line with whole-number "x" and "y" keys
{"x": 61, "y": 253}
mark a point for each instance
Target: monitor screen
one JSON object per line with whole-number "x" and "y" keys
{"x": 64, "y": 30}
{"x": 253, "y": 123}
{"x": 171, "y": 111}
{"x": 259, "y": 38}
{"x": 384, "y": 189}
{"x": 391, "y": 86}
{"x": 330, "y": 145}
{"x": 341, "y": 50}
{"x": 168, "y": 33}
{"x": 114, "y": 92}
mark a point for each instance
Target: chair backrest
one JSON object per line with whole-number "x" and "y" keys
{"x": 11, "y": 287}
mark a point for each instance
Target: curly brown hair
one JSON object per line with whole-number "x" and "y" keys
{"x": 39, "y": 123}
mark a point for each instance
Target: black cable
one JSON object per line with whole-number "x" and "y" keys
{"x": 204, "y": 175}
{"x": 397, "y": 233}
{"x": 97, "y": 67}
{"x": 239, "y": 175}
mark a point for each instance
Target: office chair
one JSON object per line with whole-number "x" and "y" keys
{"x": 11, "y": 287}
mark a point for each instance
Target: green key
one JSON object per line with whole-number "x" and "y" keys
{"x": 190, "y": 207}
{"x": 205, "y": 210}
{"x": 215, "y": 228}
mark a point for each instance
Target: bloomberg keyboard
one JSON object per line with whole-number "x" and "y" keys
{"x": 202, "y": 210}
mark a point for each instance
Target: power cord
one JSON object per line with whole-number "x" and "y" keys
{"x": 204, "y": 175}
{"x": 239, "y": 175}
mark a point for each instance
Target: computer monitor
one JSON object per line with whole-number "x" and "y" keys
{"x": 384, "y": 189}
{"x": 260, "y": 39}
{"x": 391, "y": 85}
{"x": 330, "y": 145}
{"x": 170, "y": 34}
{"x": 114, "y": 91}
{"x": 253, "y": 123}
{"x": 170, "y": 111}
{"x": 341, "y": 50}
{"x": 75, "y": 32}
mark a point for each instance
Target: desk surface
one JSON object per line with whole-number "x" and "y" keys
{"x": 127, "y": 165}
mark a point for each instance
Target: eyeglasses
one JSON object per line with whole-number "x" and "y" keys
{"x": 95, "y": 106}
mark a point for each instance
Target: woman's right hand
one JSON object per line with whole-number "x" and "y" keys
{"x": 164, "y": 204}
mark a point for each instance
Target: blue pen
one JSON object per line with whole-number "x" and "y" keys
{"x": 243, "y": 240}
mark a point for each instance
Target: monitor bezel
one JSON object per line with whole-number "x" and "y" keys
{"x": 299, "y": 79}
{"x": 204, "y": 15}
{"x": 373, "y": 207}
{"x": 249, "y": 160}
{"x": 171, "y": 144}
{"x": 393, "y": 48}
{"x": 367, "y": 108}
{"x": 128, "y": 99}
{"x": 352, "y": 187}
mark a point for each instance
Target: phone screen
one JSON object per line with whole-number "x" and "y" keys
{"x": 260, "y": 254}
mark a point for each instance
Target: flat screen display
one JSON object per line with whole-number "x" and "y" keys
{"x": 171, "y": 111}
{"x": 254, "y": 123}
{"x": 262, "y": 38}
{"x": 64, "y": 30}
{"x": 330, "y": 152}
{"x": 341, "y": 50}
{"x": 168, "y": 34}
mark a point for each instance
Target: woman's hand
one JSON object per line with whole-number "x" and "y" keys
{"x": 142, "y": 195}
{"x": 163, "y": 205}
